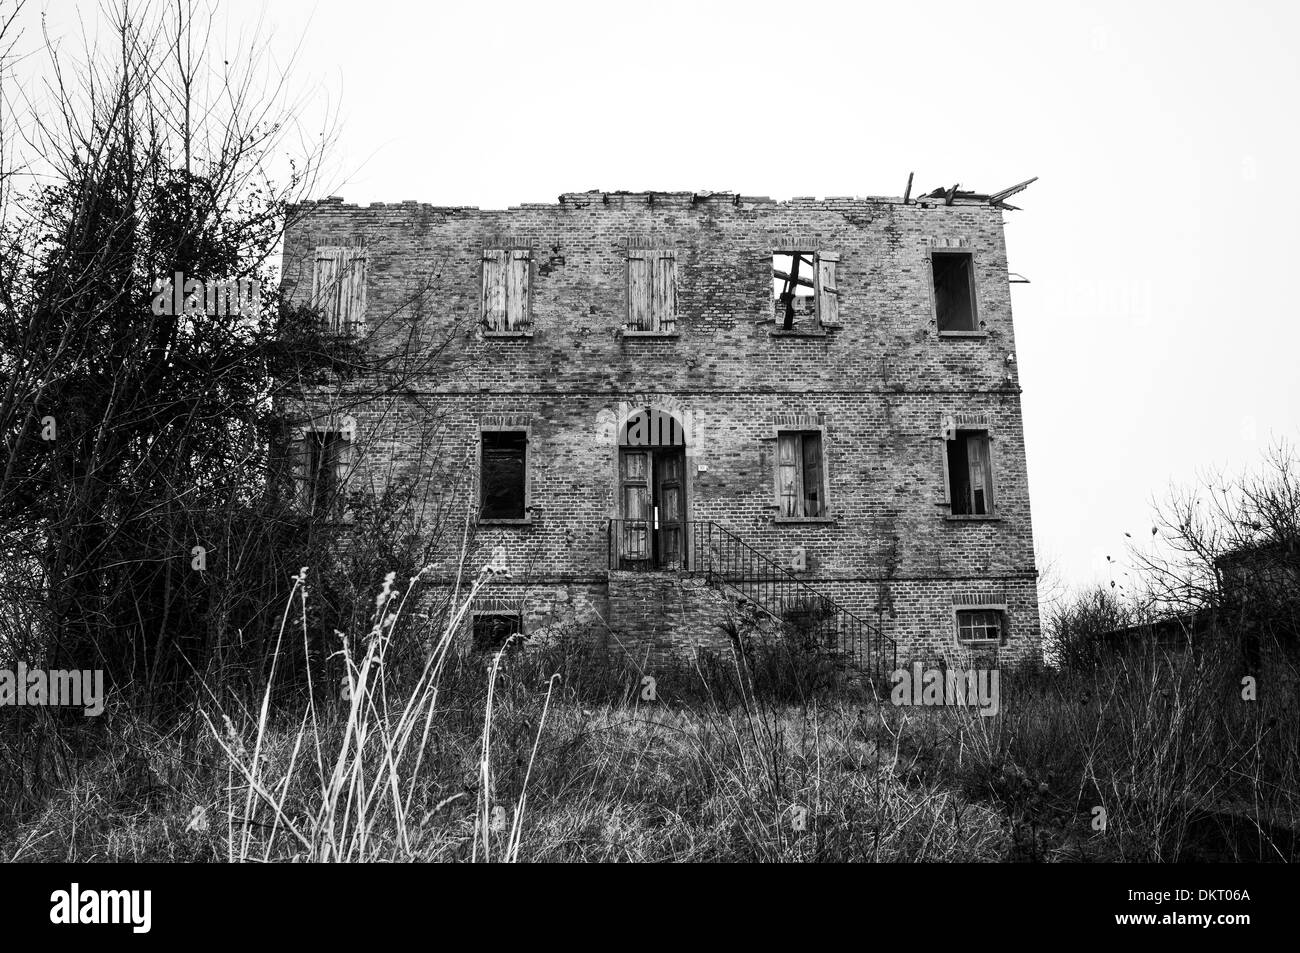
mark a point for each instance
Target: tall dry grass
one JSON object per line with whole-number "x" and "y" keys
{"x": 552, "y": 754}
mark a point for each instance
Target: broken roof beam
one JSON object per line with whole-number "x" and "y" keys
{"x": 997, "y": 198}
{"x": 799, "y": 280}
{"x": 907, "y": 192}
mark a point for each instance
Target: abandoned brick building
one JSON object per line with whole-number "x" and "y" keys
{"x": 659, "y": 409}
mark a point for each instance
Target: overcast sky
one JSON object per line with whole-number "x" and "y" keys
{"x": 1158, "y": 338}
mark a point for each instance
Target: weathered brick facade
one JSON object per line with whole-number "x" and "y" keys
{"x": 878, "y": 388}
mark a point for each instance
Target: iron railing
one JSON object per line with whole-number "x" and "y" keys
{"x": 729, "y": 563}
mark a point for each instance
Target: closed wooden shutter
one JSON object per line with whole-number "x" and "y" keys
{"x": 663, "y": 306}
{"x": 812, "y": 473}
{"x": 494, "y": 289}
{"x": 518, "y": 291}
{"x": 981, "y": 474}
{"x": 828, "y": 295}
{"x": 352, "y": 296}
{"x": 787, "y": 474}
{"x": 326, "y": 280}
{"x": 640, "y": 295}
{"x": 339, "y": 288}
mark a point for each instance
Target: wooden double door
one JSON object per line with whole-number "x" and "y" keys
{"x": 652, "y": 497}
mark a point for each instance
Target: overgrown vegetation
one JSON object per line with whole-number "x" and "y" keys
{"x": 265, "y": 711}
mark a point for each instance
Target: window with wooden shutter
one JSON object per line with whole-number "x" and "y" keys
{"x": 321, "y": 461}
{"x": 970, "y": 473}
{"x": 800, "y": 481}
{"x": 507, "y": 289}
{"x": 652, "y": 290}
{"x": 804, "y": 289}
{"x": 339, "y": 288}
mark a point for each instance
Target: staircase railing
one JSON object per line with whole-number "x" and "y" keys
{"x": 729, "y": 562}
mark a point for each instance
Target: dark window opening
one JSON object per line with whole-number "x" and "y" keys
{"x": 493, "y": 629}
{"x": 799, "y": 474}
{"x": 504, "y": 475}
{"x": 794, "y": 287}
{"x": 954, "y": 291}
{"x": 324, "y": 466}
{"x": 979, "y": 625}
{"x": 970, "y": 474}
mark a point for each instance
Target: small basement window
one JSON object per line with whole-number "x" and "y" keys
{"x": 493, "y": 629}
{"x": 504, "y": 476}
{"x": 979, "y": 625}
{"x": 954, "y": 291}
{"x": 970, "y": 474}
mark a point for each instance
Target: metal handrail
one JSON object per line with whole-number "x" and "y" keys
{"x": 727, "y": 560}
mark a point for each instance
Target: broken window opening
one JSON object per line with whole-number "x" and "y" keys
{"x": 970, "y": 474}
{"x": 493, "y": 629}
{"x": 507, "y": 289}
{"x": 799, "y": 480}
{"x": 979, "y": 625}
{"x": 954, "y": 291}
{"x": 794, "y": 287}
{"x": 804, "y": 293}
{"x": 503, "y": 475}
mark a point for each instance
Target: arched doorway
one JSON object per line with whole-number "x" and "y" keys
{"x": 652, "y": 491}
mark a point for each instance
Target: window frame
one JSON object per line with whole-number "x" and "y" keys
{"x": 821, "y": 324}
{"x": 476, "y": 614}
{"x": 994, "y": 512}
{"x": 305, "y": 492}
{"x": 527, "y": 518}
{"x": 346, "y": 255}
{"x": 523, "y": 328}
{"x": 653, "y": 255}
{"x": 801, "y": 428}
{"x": 1004, "y": 623}
{"x": 971, "y": 276}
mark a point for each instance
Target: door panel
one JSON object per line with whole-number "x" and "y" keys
{"x": 653, "y": 509}
{"x": 669, "y": 499}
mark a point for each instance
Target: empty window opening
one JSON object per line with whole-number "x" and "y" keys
{"x": 800, "y": 489}
{"x": 954, "y": 291}
{"x": 979, "y": 625}
{"x": 504, "y": 475}
{"x": 970, "y": 474}
{"x": 324, "y": 465}
{"x": 507, "y": 289}
{"x": 493, "y": 629}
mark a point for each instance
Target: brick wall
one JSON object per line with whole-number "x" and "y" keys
{"x": 879, "y": 385}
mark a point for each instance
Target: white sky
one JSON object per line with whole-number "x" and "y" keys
{"x": 1159, "y": 336}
